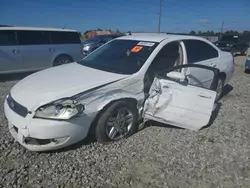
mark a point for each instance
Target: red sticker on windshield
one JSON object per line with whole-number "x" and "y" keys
{"x": 136, "y": 49}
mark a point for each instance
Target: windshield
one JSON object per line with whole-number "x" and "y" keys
{"x": 120, "y": 56}
{"x": 229, "y": 38}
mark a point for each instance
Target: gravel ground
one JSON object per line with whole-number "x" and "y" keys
{"x": 217, "y": 156}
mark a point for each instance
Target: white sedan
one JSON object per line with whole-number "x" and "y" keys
{"x": 172, "y": 79}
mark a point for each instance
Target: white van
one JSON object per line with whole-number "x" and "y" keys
{"x": 25, "y": 49}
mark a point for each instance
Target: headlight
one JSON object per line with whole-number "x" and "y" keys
{"x": 86, "y": 48}
{"x": 61, "y": 109}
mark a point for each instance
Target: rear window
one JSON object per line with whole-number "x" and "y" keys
{"x": 7, "y": 38}
{"x": 33, "y": 37}
{"x": 65, "y": 37}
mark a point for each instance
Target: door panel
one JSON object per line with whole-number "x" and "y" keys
{"x": 10, "y": 59}
{"x": 180, "y": 103}
{"x": 36, "y": 57}
{"x": 66, "y": 43}
{"x": 36, "y": 50}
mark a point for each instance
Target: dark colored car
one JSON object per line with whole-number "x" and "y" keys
{"x": 95, "y": 42}
{"x": 233, "y": 44}
{"x": 247, "y": 64}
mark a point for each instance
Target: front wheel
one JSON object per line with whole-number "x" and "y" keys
{"x": 118, "y": 121}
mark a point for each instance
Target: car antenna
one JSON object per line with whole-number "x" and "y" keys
{"x": 64, "y": 26}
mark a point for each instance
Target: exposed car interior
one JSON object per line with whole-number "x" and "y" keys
{"x": 170, "y": 55}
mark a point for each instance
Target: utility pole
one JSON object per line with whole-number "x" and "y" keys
{"x": 221, "y": 30}
{"x": 159, "y": 24}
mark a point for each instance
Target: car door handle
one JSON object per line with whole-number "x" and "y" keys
{"x": 204, "y": 96}
{"x": 15, "y": 51}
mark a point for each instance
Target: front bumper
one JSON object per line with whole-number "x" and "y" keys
{"x": 42, "y": 134}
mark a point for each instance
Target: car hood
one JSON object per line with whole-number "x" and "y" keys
{"x": 58, "y": 82}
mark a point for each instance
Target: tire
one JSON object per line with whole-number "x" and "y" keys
{"x": 244, "y": 52}
{"x": 62, "y": 59}
{"x": 103, "y": 128}
{"x": 233, "y": 52}
{"x": 220, "y": 87}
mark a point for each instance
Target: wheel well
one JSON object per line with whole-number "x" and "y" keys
{"x": 94, "y": 122}
{"x": 63, "y": 55}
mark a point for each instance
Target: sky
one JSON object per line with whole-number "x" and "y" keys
{"x": 128, "y": 15}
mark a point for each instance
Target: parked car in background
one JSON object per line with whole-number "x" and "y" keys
{"x": 247, "y": 64}
{"x": 30, "y": 49}
{"x": 233, "y": 44}
{"x": 95, "y": 42}
{"x": 172, "y": 79}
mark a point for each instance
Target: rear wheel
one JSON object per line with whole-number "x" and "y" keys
{"x": 118, "y": 121}
{"x": 63, "y": 59}
{"x": 219, "y": 90}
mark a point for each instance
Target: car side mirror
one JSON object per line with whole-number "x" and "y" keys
{"x": 176, "y": 76}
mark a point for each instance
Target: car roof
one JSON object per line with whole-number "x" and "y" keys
{"x": 155, "y": 37}
{"x": 35, "y": 29}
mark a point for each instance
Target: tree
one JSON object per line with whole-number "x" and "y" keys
{"x": 192, "y": 33}
{"x": 99, "y": 29}
{"x": 246, "y": 33}
{"x": 231, "y": 32}
{"x": 210, "y": 33}
{"x": 217, "y": 34}
{"x": 85, "y": 32}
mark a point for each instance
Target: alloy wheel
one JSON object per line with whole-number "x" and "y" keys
{"x": 63, "y": 61}
{"x": 119, "y": 123}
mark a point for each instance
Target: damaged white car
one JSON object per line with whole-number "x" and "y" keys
{"x": 172, "y": 79}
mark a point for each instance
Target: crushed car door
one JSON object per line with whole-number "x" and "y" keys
{"x": 172, "y": 100}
